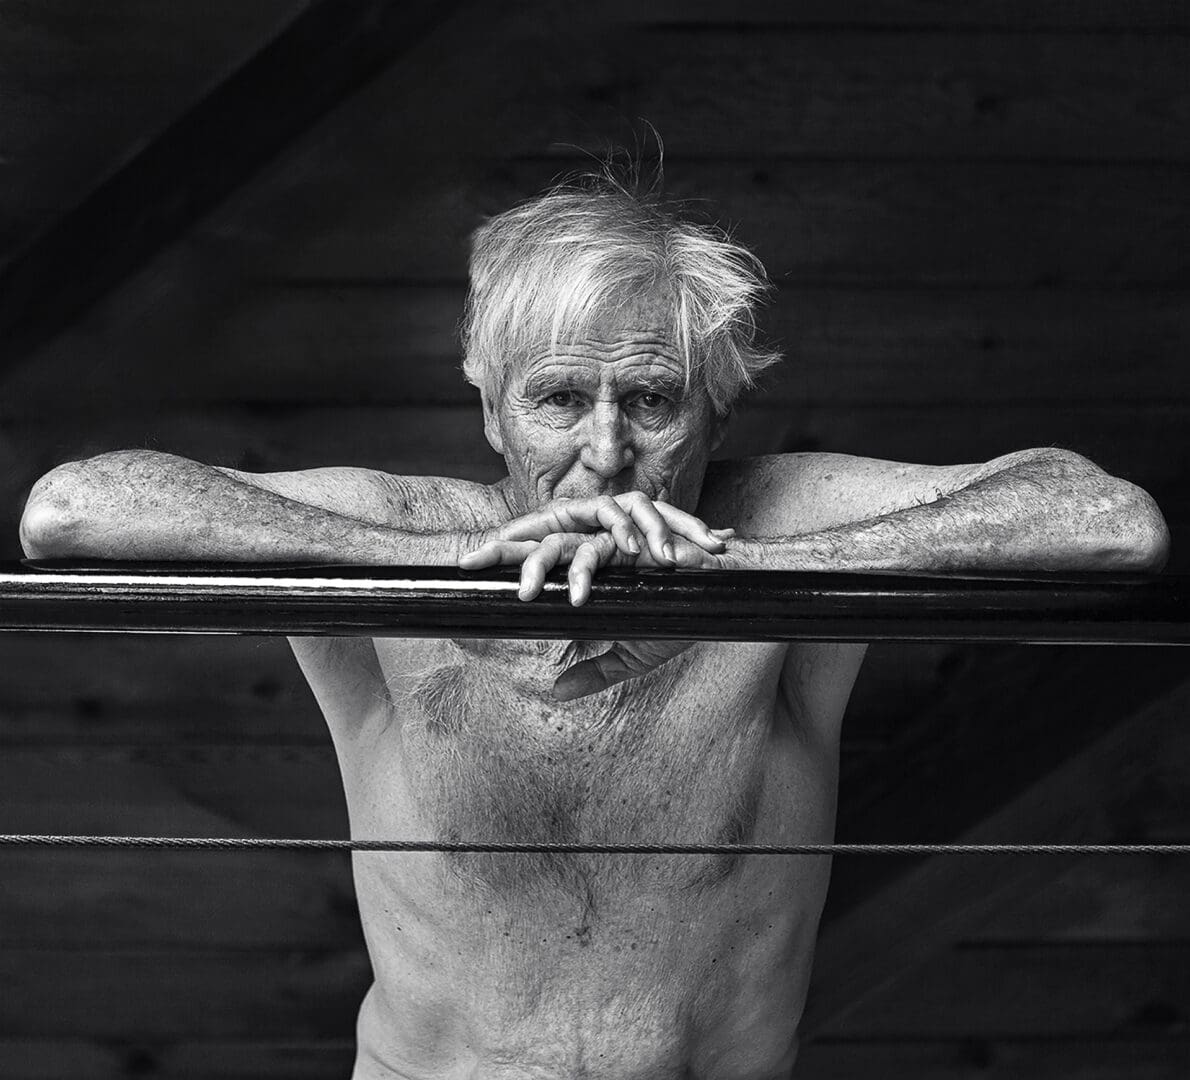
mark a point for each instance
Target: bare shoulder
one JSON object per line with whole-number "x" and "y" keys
{"x": 346, "y": 674}
{"x": 787, "y": 494}
{"x": 419, "y": 503}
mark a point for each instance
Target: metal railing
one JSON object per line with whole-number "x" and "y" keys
{"x": 406, "y": 601}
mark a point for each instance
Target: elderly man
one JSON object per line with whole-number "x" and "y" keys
{"x": 608, "y": 338}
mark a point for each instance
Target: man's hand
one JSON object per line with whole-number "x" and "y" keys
{"x": 635, "y": 521}
{"x": 587, "y": 534}
{"x": 624, "y": 660}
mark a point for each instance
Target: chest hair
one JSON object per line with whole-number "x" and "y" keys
{"x": 672, "y": 757}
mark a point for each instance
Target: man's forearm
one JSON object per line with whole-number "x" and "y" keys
{"x": 147, "y": 506}
{"x": 1053, "y": 513}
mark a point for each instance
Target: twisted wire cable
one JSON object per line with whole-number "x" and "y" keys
{"x": 16, "y": 840}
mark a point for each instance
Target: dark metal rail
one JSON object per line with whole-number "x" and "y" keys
{"x": 712, "y": 605}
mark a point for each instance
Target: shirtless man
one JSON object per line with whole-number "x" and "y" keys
{"x": 608, "y": 339}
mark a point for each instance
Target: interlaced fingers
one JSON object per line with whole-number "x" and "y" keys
{"x": 286, "y": 844}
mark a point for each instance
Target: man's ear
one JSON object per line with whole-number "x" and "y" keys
{"x": 491, "y": 423}
{"x": 719, "y": 428}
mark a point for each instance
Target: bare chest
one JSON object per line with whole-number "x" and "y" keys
{"x": 487, "y": 754}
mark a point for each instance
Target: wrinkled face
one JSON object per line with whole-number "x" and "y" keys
{"x": 605, "y": 414}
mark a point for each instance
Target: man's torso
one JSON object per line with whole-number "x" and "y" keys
{"x": 561, "y": 965}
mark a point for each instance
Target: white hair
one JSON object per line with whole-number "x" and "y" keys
{"x": 543, "y": 271}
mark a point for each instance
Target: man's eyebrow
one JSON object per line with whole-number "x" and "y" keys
{"x": 671, "y": 382}
{"x": 555, "y": 376}
{"x": 662, "y": 377}
{"x": 554, "y": 379}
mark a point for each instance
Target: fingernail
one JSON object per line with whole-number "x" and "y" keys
{"x": 633, "y": 546}
{"x": 523, "y": 592}
{"x": 725, "y": 534}
{"x": 667, "y": 550}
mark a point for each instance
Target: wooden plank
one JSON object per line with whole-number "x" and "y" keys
{"x": 969, "y": 755}
{"x": 897, "y": 681}
{"x": 176, "y": 900}
{"x": 723, "y": 91}
{"x": 1102, "y": 900}
{"x": 1143, "y": 444}
{"x": 151, "y": 689}
{"x": 1042, "y": 991}
{"x": 204, "y": 154}
{"x": 813, "y": 222}
{"x": 1164, "y": 16}
{"x": 980, "y": 347}
{"x": 446, "y": 441}
{"x": 89, "y": 689}
{"x": 1140, "y": 1058}
{"x": 298, "y": 1059}
{"x": 948, "y": 223}
{"x": 1081, "y": 992}
{"x": 452, "y": 107}
{"x": 83, "y": 88}
{"x": 715, "y": 91}
{"x": 143, "y": 997}
{"x": 100, "y": 1059}
{"x": 233, "y": 790}
{"x": 1074, "y": 744}
{"x": 391, "y": 345}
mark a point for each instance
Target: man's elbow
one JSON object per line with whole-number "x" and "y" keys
{"x": 1141, "y": 538}
{"x": 52, "y": 520}
{"x": 1115, "y": 524}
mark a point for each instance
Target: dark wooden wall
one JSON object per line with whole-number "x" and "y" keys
{"x": 977, "y": 217}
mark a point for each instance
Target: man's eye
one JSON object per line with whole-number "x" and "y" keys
{"x": 562, "y": 399}
{"x": 650, "y": 399}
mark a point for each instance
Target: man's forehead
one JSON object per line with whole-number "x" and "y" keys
{"x": 646, "y": 319}
{"x": 620, "y": 334}
{"x": 652, "y": 311}
{"x": 611, "y": 349}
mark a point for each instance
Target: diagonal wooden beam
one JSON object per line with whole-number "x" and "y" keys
{"x": 1006, "y": 719}
{"x": 1127, "y": 716}
{"x": 333, "y": 48}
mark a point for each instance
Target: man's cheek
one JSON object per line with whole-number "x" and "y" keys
{"x": 543, "y": 466}
{"x": 672, "y": 468}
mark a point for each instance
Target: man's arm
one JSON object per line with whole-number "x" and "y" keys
{"x": 1044, "y": 509}
{"x": 143, "y": 505}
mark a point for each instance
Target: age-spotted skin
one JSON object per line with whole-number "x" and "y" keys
{"x": 609, "y": 967}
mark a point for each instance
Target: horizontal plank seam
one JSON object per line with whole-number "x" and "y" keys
{"x": 792, "y": 28}
{"x": 756, "y": 163}
{"x": 317, "y": 951}
{"x": 1173, "y": 290}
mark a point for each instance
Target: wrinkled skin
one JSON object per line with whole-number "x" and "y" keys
{"x": 607, "y": 443}
{"x": 605, "y": 416}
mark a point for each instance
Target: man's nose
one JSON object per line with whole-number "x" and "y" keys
{"x": 607, "y": 447}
